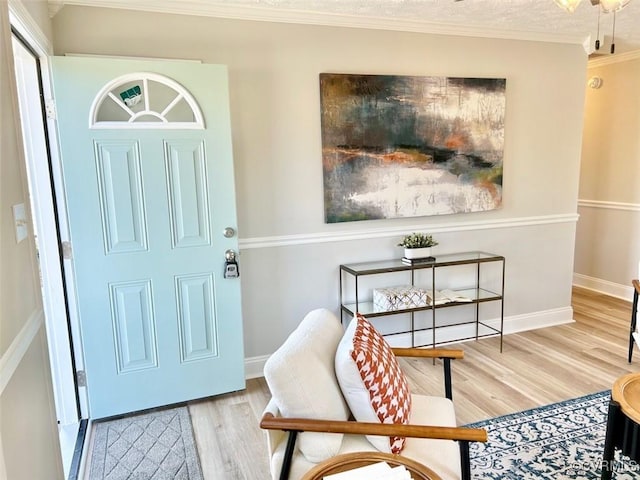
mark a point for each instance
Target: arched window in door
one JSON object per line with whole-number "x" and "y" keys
{"x": 145, "y": 100}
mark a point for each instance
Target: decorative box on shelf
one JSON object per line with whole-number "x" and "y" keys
{"x": 400, "y": 297}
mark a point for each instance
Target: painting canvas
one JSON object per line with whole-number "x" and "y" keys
{"x": 408, "y": 146}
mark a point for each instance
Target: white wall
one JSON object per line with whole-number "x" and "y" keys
{"x": 28, "y": 433}
{"x": 289, "y": 257}
{"x": 608, "y": 235}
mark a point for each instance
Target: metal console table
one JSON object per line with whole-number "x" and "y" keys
{"x": 476, "y": 294}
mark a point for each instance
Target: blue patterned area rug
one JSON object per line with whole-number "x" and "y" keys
{"x": 156, "y": 445}
{"x": 560, "y": 441}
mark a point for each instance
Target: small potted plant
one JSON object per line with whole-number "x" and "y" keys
{"x": 417, "y": 245}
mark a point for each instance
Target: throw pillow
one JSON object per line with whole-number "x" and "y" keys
{"x": 372, "y": 382}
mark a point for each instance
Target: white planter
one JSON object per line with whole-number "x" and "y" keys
{"x": 413, "y": 253}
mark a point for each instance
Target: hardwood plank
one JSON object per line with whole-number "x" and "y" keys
{"x": 536, "y": 368}
{"x": 230, "y": 444}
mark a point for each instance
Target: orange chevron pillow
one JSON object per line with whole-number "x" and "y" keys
{"x": 371, "y": 381}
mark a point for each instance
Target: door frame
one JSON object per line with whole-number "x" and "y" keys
{"x": 63, "y": 339}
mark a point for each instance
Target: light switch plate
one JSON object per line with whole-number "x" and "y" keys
{"x": 20, "y": 220}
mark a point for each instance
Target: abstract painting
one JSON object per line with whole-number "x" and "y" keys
{"x": 409, "y": 146}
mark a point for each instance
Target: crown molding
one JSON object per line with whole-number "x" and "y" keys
{"x": 54, "y": 7}
{"x": 614, "y": 58}
{"x": 28, "y": 27}
{"x": 307, "y": 17}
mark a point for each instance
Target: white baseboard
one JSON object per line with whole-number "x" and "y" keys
{"x": 603, "y": 286}
{"x": 533, "y": 321}
{"x": 254, "y": 366}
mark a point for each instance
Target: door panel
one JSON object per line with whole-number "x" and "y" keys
{"x": 119, "y": 176}
{"x": 188, "y": 206}
{"x": 195, "y": 317}
{"x": 147, "y": 208}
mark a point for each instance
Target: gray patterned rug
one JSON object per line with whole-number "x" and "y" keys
{"x": 151, "y": 446}
{"x": 556, "y": 442}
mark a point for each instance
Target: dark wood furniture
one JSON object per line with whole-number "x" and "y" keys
{"x": 623, "y": 424}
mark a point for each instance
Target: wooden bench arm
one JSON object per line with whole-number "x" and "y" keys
{"x": 270, "y": 422}
{"x": 455, "y": 354}
{"x": 636, "y": 285}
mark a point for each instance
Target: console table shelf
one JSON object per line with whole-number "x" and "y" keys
{"x": 474, "y": 291}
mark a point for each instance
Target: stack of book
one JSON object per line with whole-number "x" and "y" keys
{"x": 417, "y": 261}
{"x": 375, "y": 471}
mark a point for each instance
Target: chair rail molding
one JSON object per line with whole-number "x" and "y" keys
{"x": 633, "y": 207}
{"x": 367, "y": 234}
{"x": 12, "y": 357}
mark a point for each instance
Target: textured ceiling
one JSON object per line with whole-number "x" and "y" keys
{"x": 528, "y": 19}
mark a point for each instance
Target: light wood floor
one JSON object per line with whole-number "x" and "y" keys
{"x": 535, "y": 368}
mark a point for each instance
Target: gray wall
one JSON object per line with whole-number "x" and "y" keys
{"x": 289, "y": 256}
{"x": 608, "y": 236}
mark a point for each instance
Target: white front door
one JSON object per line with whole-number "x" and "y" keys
{"x": 148, "y": 173}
